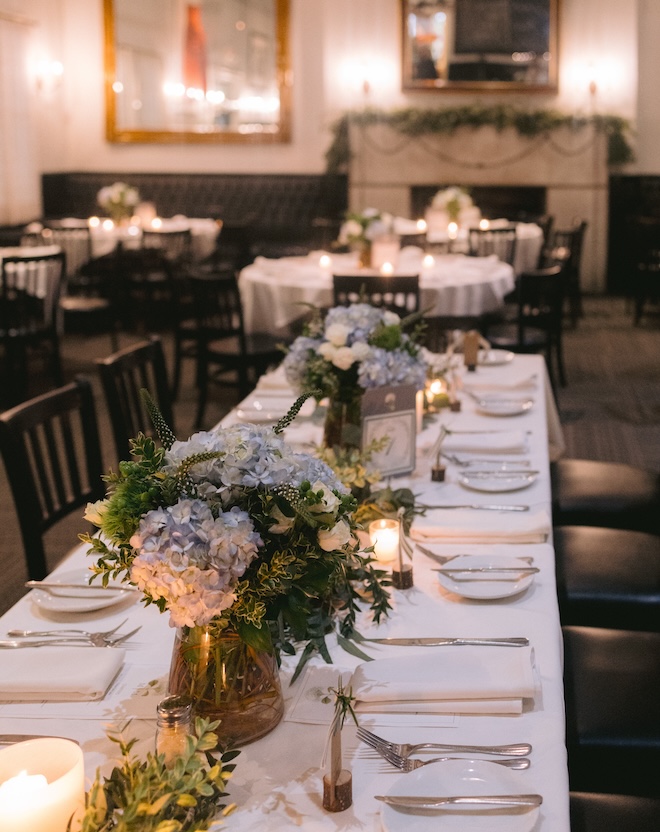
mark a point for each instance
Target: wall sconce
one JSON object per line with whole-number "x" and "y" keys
{"x": 48, "y": 75}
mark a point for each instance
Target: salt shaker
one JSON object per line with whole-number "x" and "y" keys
{"x": 173, "y": 727}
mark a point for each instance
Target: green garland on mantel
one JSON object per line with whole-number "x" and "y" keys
{"x": 413, "y": 121}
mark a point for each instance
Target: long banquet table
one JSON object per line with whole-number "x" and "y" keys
{"x": 278, "y": 780}
{"x": 274, "y": 291}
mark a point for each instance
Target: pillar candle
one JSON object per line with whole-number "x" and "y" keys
{"x": 42, "y": 785}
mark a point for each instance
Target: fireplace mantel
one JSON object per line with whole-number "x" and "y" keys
{"x": 570, "y": 164}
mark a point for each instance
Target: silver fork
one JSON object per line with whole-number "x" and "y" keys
{"x": 56, "y": 633}
{"x": 406, "y": 764}
{"x": 442, "y": 559}
{"x": 404, "y": 750}
{"x": 95, "y": 641}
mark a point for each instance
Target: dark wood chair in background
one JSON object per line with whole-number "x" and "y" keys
{"x": 225, "y": 353}
{"x": 538, "y": 322}
{"x": 50, "y": 447}
{"x": 483, "y": 242}
{"x": 30, "y": 289}
{"x": 123, "y": 375}
{"x": 566, "y": 250}
{"x": 396, "y": 293}
{"x": 176, "y": 245}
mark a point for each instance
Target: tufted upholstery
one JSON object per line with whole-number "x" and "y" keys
{"x": 613, "y": 813}
{"x": 274, "y": 208}
{"x": 611, "y": 682}
{"x": 608, "y": 577}
{"x": 619, "y": 496}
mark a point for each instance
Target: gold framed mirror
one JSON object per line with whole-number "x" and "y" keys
{"x": 204, "y": 71}
{"x": 483, "y": 45}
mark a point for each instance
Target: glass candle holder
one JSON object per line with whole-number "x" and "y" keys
{"x": 42, "y": 785}
{"x": 384, "y": 536}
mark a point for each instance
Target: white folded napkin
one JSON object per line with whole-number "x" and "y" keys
{"x": 474, "y": 526}
{"x": 506, "y": 442}
{"x": 275, "y": 380}
{"x": 492, "y": 680}
{"x": 58, "y": 674}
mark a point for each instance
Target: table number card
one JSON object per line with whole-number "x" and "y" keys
{"x": 389, "y": 412}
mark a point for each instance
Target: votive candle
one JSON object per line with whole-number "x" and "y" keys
{"x": 384, "y": 536}
{"x": 484, "y": 225}
{"x": 452, "y": 230}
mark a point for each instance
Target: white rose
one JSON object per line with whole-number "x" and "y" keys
{"x": 360, "y": 350}
{"x": 343, "y": 358}
{"x": 94, "y": 512}
{"x": 336, "y": 537}
{"x": 327, "y": 350}
{"x": 329, "y": 500}
{"x": 391, "y": 318}
{"x": 350, "y": 229}
{"x": 337, "y": 334}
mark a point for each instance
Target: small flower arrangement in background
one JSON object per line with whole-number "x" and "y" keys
{"x": 364, "y": 226}
{"x": 355, "y": 348}
{"x": 119, "y": 200}
{"x": 452, "y": 200}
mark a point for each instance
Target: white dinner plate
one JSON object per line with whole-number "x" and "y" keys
{"x": 486, "y": 586}
{"x": 497, "y": 481}
{"x": 493, "y": 358}
{"x": 269, "y": 408}
{"x": 504, "y": 405}
{"x": 74, "y": 600}
{"x": 459, "y": 777}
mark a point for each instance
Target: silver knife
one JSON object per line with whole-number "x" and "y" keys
{"x": 420, "y": 802}
{"x": 51, "y": 586}
{"x": 526, "y": 570}
{"x": 442, "y": 642}
{"x": 486, "y": 507}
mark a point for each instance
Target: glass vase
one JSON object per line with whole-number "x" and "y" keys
{"x": 226, "y": 679}
{"x": 363, "y": 249}
{"x": 343, "y": 423}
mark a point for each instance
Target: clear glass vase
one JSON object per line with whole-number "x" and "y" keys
{"x": 343, "y": 423}
{"x": 363, "y": 249}
{"x": 226, "y": 679}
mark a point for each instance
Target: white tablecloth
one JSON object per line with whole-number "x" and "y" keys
{"x": 278, "y": 780}
{"x": 273, "y": 291}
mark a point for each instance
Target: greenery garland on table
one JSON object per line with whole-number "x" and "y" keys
{"x": 414, "y": 121}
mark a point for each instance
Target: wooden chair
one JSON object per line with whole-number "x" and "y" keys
{"x": 566, "y": 250}
{"x": 122, "y": 375}
{"x": 225, "y": 353}
{"x": 50, "y": 446}
{"x": 396, "y": 293}
{"x": 538, "y": 324}
{"x": 30, "y": 289}
{"x": 483, "y": 242}
{"x": 147, "y": 276}
{"x": 175, "y": 245}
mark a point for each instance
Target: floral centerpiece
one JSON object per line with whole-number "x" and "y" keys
{"x": 360, "y": 229}
{"x": 355, "y": 348}
{"x": 452, "y": 201}
{"x": 119, "y": 200}
{"x": 249, "y": 546}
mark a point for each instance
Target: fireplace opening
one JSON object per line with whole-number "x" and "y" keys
{"x": 522, "y": 203}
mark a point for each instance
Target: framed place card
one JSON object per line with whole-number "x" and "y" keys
{"x": 390, "y": 412}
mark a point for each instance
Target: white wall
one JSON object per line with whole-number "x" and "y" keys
{"x": 336, "y": 44}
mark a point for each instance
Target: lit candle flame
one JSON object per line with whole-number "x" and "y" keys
{"x": 421, "y": 226}
{"x": 156, "y": 223}
{"x": 325, "y": 261}
{"x": 387, "y": 269}
{"x": 452, "y": 230}
{"x": 429, "y": 261}
{"x": 107, "y": 225}
{"x": 484, "y": 225}
{"x": 94, "y": 222}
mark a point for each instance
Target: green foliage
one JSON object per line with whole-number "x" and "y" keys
{"x": 387, "y": 503}
{"x": 415, "y": 121}
{"x": 146, "y": 796}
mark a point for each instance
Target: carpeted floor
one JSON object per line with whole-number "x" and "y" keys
{"x": 610, "y": 410}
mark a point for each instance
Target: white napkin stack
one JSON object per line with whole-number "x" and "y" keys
{"x": 474, "y": 526}
{"x": 506, "y": 442}
{"x": 58, "y": 674}
{"x": 470, "y": 680}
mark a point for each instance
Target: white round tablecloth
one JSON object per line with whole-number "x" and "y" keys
{"x": 273, "y": 291}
